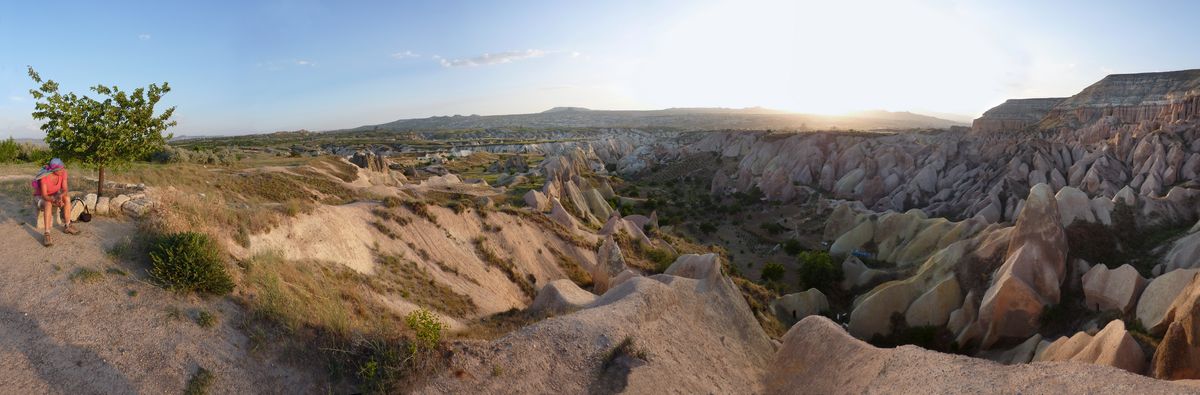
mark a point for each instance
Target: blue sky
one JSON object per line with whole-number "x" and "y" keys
{"x": 246, "y": 66}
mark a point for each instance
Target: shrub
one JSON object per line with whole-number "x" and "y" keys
{"x": 427, "y": 327}
{"x": 200, "y": 382}
{"x": 792, "y": 247}
{"x": 9, "y": 150}
{"x": 817, "y": 270}
{"x": 772, "y": 272}
{"x": 189, "y": 262}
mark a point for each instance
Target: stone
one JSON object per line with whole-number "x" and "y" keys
{"x": 933, "y": 308}
{"x": 89, "y": 201}
{"x": 1158, "y": 297}
{"x": 115, "y": 204}
{"x": 560, "y": 296}
{"x": 1117, "y": 289}
{"x": 1112, "y": 346}
{"x": 137, "y": 208}
{"x": 791, "y": 308}
{"x": 1032, "y": 273}
{"x": 102, "y": 205}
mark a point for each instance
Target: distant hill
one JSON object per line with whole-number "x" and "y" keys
{"x": 677, "y": 118}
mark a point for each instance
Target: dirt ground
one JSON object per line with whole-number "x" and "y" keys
{"x": 113, "y": 332}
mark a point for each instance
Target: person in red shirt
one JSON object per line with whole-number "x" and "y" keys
{"x": 51, "y": 191}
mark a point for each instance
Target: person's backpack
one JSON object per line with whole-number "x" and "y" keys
{"x": 86, "y": 215}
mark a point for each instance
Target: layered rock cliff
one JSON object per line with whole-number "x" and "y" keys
{"x": 1162, "y": 97}
{"x": 1014, "y": 115}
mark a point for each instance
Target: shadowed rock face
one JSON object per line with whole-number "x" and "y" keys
{"x": 1014, "y": 115}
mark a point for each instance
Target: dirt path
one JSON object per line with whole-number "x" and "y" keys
{"x": 114, "y": 333}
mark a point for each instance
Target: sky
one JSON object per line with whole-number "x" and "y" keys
{"x": 239, "y": 67}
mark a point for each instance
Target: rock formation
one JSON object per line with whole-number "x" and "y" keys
{"x": 1032, "y": 273}
{"x": 1014, "y": 115}
{"x": 1112, "y": 346}
{"x": 818, "y": 357}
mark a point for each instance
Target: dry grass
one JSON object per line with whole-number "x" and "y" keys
{"x": 402, "y": 277}
{"x": 574, "y": 270}
{"x": 490, "y": 257}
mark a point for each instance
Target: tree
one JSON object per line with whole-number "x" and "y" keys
{"x": 772, "y": 272}
{"x": 101, "y": 134}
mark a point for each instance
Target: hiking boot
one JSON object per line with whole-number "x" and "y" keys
{"x": 46, "y": 240}
{"x": 71, "y": 229}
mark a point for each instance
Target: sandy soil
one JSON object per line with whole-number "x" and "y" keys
{"x": 116, "y": 334}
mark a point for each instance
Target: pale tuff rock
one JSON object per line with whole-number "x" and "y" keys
{"x": 1178, "y": 355}
{"x": 791, "y": 308}
{"x": 560, "y": 215}
{"x": 1157, "y": 299}
{"x": 1032, "y": 273}
{"x": 856, "y": 274}
{"x": 933, "y": 308}
{"x": 1116, "y": 289}
{"x": 1073, "y": 205}
{"x": 1022, "y": 353}
{"x": 818, "y": 357}
{"x": 115, "y": 204}
{"x": 102, "y": 205}
{"x": 1112, "y": 346}
{"x": 872, "y": 312}
{"x": 609, "y": 264}
{"x": 622, "y": 277}
{"x": 537, "y": 201}
{"x": 1184, "y": 252}
{"x": 560, "y": 296}
{"x": 89, "y": 201}
{"x": 855, "y": 238}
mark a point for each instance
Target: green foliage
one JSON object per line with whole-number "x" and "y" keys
{"x": 817, "y": 270}
{"x": 189, "y": 262}
{"x": 86, "y": 276}
{"x": 9, "y": 150}
{"x": 792, "y": 247}
{"x": 427, "y": 327}
{"x": 772, "y": 228}
{"x": 772, "y": 272}
{"x": 114, "y": 131}
{"x": 206, "y": 319}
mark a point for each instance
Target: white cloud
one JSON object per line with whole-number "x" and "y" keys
{"x": 143, "y": 37}
{"x": 406, "y": 55}
{"x": 491, "y": 58}
{"x": 304, "y": 62}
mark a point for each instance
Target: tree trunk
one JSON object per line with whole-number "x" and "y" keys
{"x": 100, "y": 184}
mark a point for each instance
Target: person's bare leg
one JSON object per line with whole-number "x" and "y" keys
{"x": 48, "y": 221}
{"x": 47, "y": 216}
{"x": 66, "y": 205}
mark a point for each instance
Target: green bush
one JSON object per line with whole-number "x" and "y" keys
{"x": 772, "y": 272}
{"x": 792, "y": 247}
{"x": 817, "y": 270}
{"x": 9, "y": 150}
{"x": 189, "y": 262}
{"x": 427, "y": 327}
